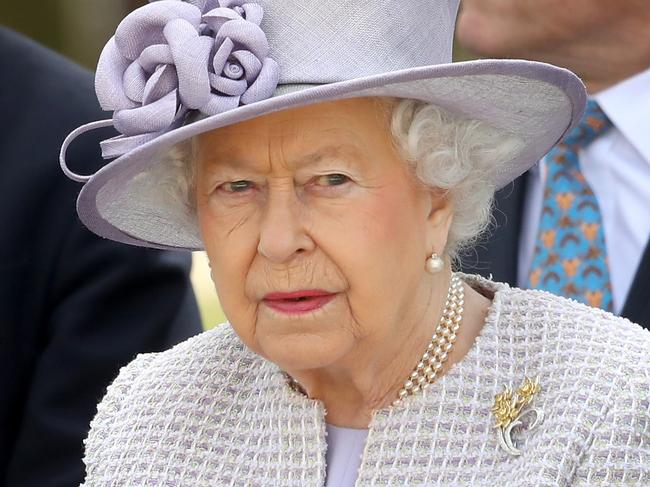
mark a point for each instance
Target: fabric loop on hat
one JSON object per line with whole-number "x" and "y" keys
{"x": 70, "y": 138}
{"x": 121, "y": 144}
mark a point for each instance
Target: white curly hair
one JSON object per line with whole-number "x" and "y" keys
{"x": 443, "y": 150}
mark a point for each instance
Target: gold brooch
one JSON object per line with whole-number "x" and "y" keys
{"x": 508, "y": 410}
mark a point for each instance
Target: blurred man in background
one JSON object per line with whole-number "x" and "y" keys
{"x": 579, "y": 223}
{"x": 73, "y": 308}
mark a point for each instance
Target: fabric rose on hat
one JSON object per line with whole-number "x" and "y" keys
{"x": 172, "y": 57}
{"x": 240, "y": 67}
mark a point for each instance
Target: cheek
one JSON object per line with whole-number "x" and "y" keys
{"x": 394, "y": 230}
{"x": 377, "y": 243}
{"x": 231, "y": 245}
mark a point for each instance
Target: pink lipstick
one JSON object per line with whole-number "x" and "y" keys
{"x": 298, "y": 302}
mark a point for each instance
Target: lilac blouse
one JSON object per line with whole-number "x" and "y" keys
{"x": 343, "y": 457}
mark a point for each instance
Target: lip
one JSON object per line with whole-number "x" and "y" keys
{"x": 309, "y": 300}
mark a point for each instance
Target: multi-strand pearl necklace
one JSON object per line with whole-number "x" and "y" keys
{"x": 442, "y": 342}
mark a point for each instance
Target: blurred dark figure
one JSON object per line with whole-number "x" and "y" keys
{"x": 73, "y": 308}
{"x": 607, "y": 44}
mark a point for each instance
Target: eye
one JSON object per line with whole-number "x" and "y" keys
{"x": 332, "y": 180}
{"x": 236, "y": 186}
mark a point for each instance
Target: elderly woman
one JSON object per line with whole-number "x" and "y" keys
{"x": 332, "y": 163}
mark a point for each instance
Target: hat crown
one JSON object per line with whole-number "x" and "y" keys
{"x": 317, "y": 42}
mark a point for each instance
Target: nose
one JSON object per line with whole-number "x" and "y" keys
{"x": 282, "y": 231}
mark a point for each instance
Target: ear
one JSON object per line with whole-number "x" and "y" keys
{"x": 438, "y": 220}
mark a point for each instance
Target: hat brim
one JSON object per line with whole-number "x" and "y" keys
{"x": 537, "y": 102}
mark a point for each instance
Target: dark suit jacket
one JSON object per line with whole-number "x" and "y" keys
{"x": 73, "y": 308}
{"x": 498, "y": 253}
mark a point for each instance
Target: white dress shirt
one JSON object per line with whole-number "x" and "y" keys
{"x": 617, "y": 167}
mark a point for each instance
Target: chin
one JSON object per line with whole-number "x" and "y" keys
{"x": 301, "y": 351}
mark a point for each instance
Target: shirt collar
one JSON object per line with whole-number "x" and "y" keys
{"x": 627, "y": 104}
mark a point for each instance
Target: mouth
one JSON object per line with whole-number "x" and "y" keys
{"x": 298, "y": 302}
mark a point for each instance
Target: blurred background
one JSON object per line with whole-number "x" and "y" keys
{"x": 79, "y": 29}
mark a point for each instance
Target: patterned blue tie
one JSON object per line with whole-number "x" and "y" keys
{"x": 570, "y": 258}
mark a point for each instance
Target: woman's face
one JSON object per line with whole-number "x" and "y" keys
{"x": 316, "y": 232}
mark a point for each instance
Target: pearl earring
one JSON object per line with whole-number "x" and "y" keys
{"x": 435, "y": 264}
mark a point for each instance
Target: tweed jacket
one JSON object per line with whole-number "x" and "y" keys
{"x": 211, "y": 413}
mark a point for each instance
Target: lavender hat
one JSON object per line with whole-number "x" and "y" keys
{"x": 178, "y": 68}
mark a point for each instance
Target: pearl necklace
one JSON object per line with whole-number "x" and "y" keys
{"x": 442, "y": 342}
{"x": 438, "y": 349}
